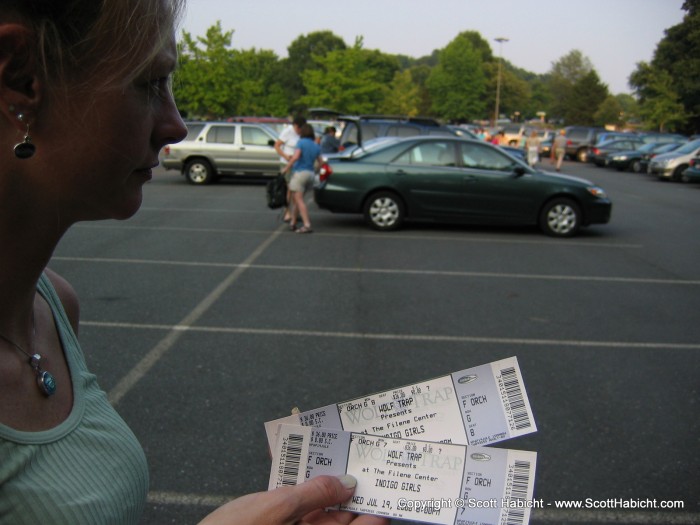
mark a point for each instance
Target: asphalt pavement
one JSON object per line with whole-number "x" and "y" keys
{"x": 203, "y": 318}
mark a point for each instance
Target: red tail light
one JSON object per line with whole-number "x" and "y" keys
{"x": 693, "y": 162}
{"x": 325, "y": 172}
{"x": 166, "y": 150}
{"x": 595, "y": 151}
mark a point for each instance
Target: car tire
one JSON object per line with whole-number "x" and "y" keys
{"x": 560, "y": 217}
{"x": 582, "y": 155}
{"x": 677, "y": 175}
{"x": 384, "y": 211}
{"x": 636, "y": 166}
{"x": 199, "y": 172}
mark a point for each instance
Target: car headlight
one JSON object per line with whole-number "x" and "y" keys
{"x": 597, "y": 192}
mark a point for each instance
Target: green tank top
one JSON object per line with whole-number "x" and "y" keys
{"x": 90, "y": 469}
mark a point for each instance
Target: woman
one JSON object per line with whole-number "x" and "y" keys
{"x": 301, "y": 164}
{"x": 83, "y": 115}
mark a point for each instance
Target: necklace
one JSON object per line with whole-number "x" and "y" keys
{"x": 44, "y": 379}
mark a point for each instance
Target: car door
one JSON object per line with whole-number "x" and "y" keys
{"x": 428, "y": 179}
{"x": 493, "y": 190}
{"x": 219, "y": 145}
{"x": 256, "y": 150}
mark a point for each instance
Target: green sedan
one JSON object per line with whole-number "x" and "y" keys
{"x": 455, "y": 180}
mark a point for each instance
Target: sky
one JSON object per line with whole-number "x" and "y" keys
{"x": 613, "y": 34}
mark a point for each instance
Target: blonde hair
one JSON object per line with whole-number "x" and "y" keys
{"x": 105, "y": 42}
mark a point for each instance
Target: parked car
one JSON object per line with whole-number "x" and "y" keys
{"x": 645, "y": 159}
{"x": 579, "y": 139}
{"x": 451, "y": 179}
{"x": 546, "y": 147}
{"x": 670, "y": 166}
{"x": 215, "y": 149}
{"x": 366, "y": 127}
{"x": 612, "y": 135}
{"x": 632, "y": 159}
{"x": 692, "y": 173}
{"x": 663, "y": 137}
{"x": 598, "y": 154}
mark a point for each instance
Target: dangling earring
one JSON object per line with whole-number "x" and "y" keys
{"x": 24, "y": 149}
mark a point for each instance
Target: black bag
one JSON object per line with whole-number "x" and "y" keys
{"x": 276, "y": 192}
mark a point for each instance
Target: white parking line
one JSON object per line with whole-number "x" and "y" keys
{"x": 156, "y": 353}
{"x": 179, "y": 329}
{"x": 445, "y": 273}
{"x": 462, "y": 236}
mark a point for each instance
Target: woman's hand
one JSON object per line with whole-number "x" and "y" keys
{"x": 291, "y": 505}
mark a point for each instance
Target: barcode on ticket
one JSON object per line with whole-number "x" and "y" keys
{"x": 477, "y": 406}
{"x": 436, "y": 483}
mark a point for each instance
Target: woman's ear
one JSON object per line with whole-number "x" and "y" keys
{"x": 19, "y": 76}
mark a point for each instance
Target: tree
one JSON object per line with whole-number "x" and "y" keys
{"x": 564, "y": 74}
{"x": 588, "y": 93}
{"x": 301, "y": 57}
{"x": 256, "y": 84}
{"x": 675, "y": 70}
{"x": 659, "y": 104}
{"x": 343, "y": 80}
{"x": 402, "y": 97}
{"x": 458, "y": 83}
{"x": 202, "y": 83}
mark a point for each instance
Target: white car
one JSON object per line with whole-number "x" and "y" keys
{"x": 216, "y": 149}
{"x": 670, "y": 166}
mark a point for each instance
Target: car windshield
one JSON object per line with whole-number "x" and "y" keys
{"x": 689, "y": 147}
{"x": 649, "y": 146}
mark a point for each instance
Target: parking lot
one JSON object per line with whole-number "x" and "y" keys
{"x": 203, "y": 317}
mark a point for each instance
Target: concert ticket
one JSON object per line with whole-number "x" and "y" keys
{"x": 409, "y": 479}
{"x": 478, "y": 406}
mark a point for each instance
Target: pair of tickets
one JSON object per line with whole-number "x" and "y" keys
{"x": 418, "y": 451}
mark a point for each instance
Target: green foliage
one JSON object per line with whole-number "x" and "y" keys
{"x": 205, "y": 74}
{"x": 343, "y": 80}
{"x": 668, "y": 86}
{"x": 402, "y": 97}
{"x": 457, "y": 84}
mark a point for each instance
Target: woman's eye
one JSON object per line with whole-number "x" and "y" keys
{"x": 160, "y": 86}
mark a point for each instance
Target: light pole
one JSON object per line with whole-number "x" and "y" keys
{"x": 500, "y": 41}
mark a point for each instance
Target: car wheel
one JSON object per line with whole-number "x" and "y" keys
{"x": 677, "y": 175}
{"x": 636, "y": 166}
{"x": 384, "y": 210}
{"x": 560, "y": 218}
{"x": 582, "y": 155}
{"x": 199, "y": 172}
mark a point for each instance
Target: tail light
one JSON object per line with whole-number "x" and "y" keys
{"x": 325, "y": 171}
{"x": 693, "y": 162}
{"x": 595, "y": 151}
{"x": 166, "y": 150}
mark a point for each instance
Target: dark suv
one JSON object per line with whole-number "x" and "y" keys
{"x": 360, "y": 129}
{"x": 579, "y": 139}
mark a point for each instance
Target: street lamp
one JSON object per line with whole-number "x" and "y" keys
{"x": 500, "y": 41}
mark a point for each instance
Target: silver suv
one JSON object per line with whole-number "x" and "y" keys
{"x": 672, "y": 165}
{"x": 215, "y": 149}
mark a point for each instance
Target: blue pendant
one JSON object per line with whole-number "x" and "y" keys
{"x": 46, "y": 382}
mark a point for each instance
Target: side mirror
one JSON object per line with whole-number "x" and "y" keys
{"x": 519, "y": 171}
{"x": 271, "y": 143}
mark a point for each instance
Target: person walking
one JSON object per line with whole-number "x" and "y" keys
{"x": 76, "y": 78}
{"x": 532, "y": 148}
{"x": 284, "y": 146}
{"x": 301, "y": 165}
{"x": 559, "y": 149}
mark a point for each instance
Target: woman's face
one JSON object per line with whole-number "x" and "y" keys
{"x": 100, "y": 150}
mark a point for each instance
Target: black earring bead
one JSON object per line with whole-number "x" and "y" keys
{"x": 25, "y": 149}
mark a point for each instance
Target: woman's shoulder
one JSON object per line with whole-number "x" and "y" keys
{"x": 69, "y": 299}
